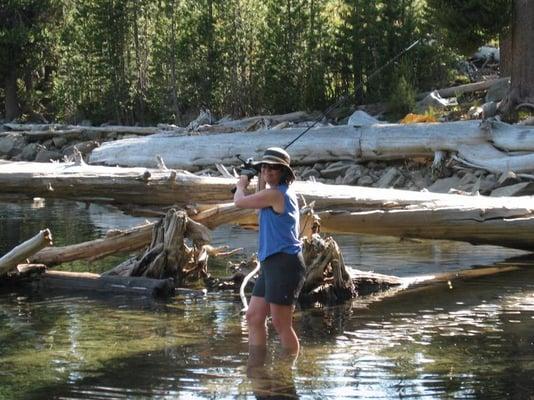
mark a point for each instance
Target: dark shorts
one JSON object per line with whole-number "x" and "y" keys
{"x": 281, "y": 278}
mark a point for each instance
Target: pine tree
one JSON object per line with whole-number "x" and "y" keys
{"x": 27, "y": 46}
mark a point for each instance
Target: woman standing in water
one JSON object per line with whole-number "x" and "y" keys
{"x": 280, "y": 251}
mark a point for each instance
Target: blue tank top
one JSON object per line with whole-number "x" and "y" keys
{"x": 279, "y": 232}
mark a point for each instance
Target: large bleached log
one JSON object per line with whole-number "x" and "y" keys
{"x": 470, "y": 140}
{"x": 167, "y": 187}
{"x": 112, "y": 185}
{"x": 480, "y": 219}
{"x": 16, "y": 256}
{"x": 503, "y": 227}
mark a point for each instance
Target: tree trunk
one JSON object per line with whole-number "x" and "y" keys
{"x": 523, "y": 50}
{"x": 12, "y": 107}
{"x": 114, "y": 242}
{"x": 522, "y": 77}
{"x": 89, "y": 282}
{"x": 471, "y": 140}
{"x": 505, "y": 51}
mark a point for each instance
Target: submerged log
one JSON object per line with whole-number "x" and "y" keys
{"x": 24, "y": 250}
{"x": 23, "y": 274}
{"x": 470, "y": 140}
{"x": 85, "y": 281}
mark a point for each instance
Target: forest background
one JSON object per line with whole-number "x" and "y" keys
{"x": 147, "y": 61}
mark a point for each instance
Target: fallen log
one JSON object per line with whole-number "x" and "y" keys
{"x": 253, "y": 123}
{"x": 502, "y": 227}
{"x": 481, "y": 219}
{"x": 48, "y": 131}
{"x": 412, "y": 288}
{"x": 34, "y": 132}
{"x": 24, "y": 250}
{"x": 22, "y": 275}
{"x": 85, "y": 281}
{"x": 471, "y": 141}
{"x": 467, "y": 88}
{"x": 114, "y": 242}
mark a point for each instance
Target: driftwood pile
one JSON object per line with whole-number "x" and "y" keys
{"x": 168, "y": 255}
{"x": 177, "y": 258}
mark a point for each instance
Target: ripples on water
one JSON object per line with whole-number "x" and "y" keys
{"x": 475, "y": 340}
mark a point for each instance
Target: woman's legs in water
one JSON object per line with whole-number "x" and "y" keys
{"x": 282, "y": 317}
{"x": 257, "y": 313}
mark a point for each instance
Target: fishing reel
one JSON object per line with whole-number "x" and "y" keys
{"x": 247, "y": 168}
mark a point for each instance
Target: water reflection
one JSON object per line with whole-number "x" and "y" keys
{"x": 473, "y": 339}
{"x": 271, "y": 378}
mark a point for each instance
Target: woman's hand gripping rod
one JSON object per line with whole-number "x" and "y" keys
{"x": 247, "y": 168}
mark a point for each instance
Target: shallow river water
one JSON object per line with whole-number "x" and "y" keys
{"x": 471, "y": 340}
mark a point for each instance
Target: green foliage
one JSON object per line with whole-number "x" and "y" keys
{"x": 402, "y": 99}
{"x": 468, "y": 24}
{"x": 27, "y": 38}
{"x": 149, "y": 61}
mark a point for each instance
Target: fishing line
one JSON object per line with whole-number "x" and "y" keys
{"x": 337, "y": 104}
{"x": 344, "y": 98}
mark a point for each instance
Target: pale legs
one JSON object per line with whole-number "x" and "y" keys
{"x": 282, "y": 317}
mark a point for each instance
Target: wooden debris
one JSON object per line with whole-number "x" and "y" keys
{"x": 85, "y": 281}
{"x": 327, "y": 279}
{"x": 168, "y": 255}
{"x": 114, "y": 242}
{"x": 467, "y": 88}
{"x": 24, "y": 250}
{"x": 492, "y": 145}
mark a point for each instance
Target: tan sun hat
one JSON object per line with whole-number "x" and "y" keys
{"x": 276, "y": 156}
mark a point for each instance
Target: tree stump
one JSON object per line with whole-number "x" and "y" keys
{"x": 327, "y": 278}
{"x": 169, "y": 254}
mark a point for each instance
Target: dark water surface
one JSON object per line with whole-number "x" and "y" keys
{"x": 473, "y": 340}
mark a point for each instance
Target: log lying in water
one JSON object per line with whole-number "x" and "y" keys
{"x": 38, "y": 277}
{"x": 489, "y": 145}
{"x": 115, "y": 242}
{"x": 85, "y": 281}
{"x": 498, "y": 226}
{"x": 24, "y": 250}
{"x": 480, "y": 219}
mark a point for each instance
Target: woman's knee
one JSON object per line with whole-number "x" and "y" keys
{"x": 255, "y": 318}
{"x": 282, "y": 321}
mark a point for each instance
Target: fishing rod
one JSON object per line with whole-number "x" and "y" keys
{"x": 247, "y": 165}
{"x": 249, "y": 170}
{"x": 344, "y": 98}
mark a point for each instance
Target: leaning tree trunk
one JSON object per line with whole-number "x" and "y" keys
{"x": 521, "y": 92}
